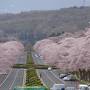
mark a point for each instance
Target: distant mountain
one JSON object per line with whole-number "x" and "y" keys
{"x": 35, "y": 25}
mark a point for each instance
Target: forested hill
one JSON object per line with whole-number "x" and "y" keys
{"x": 35, "y": 25}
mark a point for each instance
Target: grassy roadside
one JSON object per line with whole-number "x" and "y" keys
{"x": 31, "y": 75}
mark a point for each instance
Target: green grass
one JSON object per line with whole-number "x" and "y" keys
{"x": 29, "y": 66}
{"x": 84, "y": 82}
{"x": 32, "y": 78}
{"x": 31, "y": 75}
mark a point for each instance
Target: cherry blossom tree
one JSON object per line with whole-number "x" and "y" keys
{"x": 9, "y": 54}
{"x": 69, "y": 53}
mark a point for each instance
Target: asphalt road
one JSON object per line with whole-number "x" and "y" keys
{"x": 15, "y": 77}
{"x": 49, "y": 77}
{"x": 2, "y": 77}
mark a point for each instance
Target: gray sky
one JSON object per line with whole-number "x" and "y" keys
{"x": 27, "y": 5}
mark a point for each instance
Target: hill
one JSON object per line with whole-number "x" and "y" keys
{"x": 36, "y": 25}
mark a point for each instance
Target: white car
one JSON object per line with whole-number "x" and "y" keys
{"x": 57, "y": 87}
{"x": 36, "y": 56}
{"x": 64, "y": 75}
{"x": 69, "y": 77}
{"x": 70, "y": 88}
{"x": 49, "y": 68}
{"x": 83, "y": 87}
{"x": 89, "y": 87}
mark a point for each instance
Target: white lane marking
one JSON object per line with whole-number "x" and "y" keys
{"x": 51, "y": 71}
{"x": 37, "y": 61}
{"x": 48, "y": 77}
{"x": 6, "y": 78}
{"x": 57, "y": 77}
{"x": 14, "y": 80}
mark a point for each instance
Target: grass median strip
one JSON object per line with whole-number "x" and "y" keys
{"x": 31, "y": 75}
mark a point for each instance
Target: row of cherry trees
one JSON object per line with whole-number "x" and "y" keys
{"x": 9, "y": 53}
{"x": 70, "y": 54}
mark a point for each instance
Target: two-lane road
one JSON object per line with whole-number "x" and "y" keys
{"x": 15, "y": 77}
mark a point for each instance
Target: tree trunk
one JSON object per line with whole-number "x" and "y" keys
{"x": 81, "y": 74}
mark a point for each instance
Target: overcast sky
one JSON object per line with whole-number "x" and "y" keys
{"x": 27, "y": 5}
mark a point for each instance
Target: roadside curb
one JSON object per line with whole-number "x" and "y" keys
{"x": 24, "y": 78}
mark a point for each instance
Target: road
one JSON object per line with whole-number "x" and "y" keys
{"x": 2, "y": 77}
{"x": 49, "y": 77}
{"x": 15, "y": 77}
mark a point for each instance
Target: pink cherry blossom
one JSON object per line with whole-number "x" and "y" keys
{"x": 9, "y": 54}
{"x": 68, "y": 52}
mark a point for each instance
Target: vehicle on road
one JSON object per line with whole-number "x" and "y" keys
{"x": 70, "y": 88}
{"x": 69, "y": 77}
{"x": 83, "y": 87}
{"x": 49, "y": 68}
{"x": 61, "y": 76}
{"x": 36, "y": 56}
{"x": 57, "y": 87}
{"x": 61, "y": 87}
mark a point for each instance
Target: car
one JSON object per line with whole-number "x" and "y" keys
{"x": 36, "y": 55}
{"x": 64, "y": 75}
{"x": 49, "y": 68}
{"x": 70, "y": 77}
{"x": 89, "y": 87}
{"x": 70, "y": 88}
{"x": 83, "y": 87}
{"x": 57, "y": 87}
